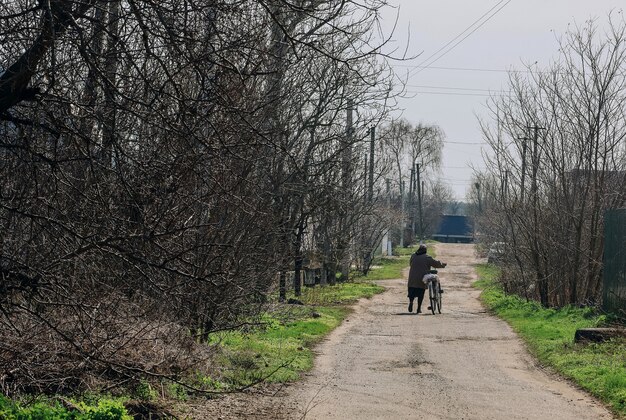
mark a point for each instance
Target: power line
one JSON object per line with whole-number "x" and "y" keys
{"x": 457, "y": 182}
{"x": 459, "y": 167}
{"x": 427, "y": 59}
{"x": 412, "y": 66}
{"x": 451, "y": 88}
{"x": 465, "y": 69}
{"x": 466, "y": 36}
{"x": 443, "y": 178}
{"x": 433, "y": 58}
{"x": 464, "y": 142}
{"x": 484, "y": 95}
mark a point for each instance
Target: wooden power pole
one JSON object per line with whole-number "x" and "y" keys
{"x": 420, "y": 188}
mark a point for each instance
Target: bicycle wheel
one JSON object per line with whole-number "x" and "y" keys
{"x": 431, "y": 296}
{"x": 438, "y": 300}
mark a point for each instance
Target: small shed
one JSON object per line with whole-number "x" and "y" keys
{"x": 455, "y": 228}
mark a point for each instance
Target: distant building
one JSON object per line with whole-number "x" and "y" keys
{"x": 454, "y": 228}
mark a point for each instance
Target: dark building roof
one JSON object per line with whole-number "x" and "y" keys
{"x": 452, "y": 225}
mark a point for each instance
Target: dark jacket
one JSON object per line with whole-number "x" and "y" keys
{"x": 420, "y": 265}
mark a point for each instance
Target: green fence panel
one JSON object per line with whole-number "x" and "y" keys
{"x": 614, "y": 271}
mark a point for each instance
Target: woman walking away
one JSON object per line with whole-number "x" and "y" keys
{"x": 420, "y": 266}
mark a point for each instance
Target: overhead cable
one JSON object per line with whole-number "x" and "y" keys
{"x": 477, "y": 24}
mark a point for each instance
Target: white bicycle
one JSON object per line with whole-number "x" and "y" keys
{"x": 434, "y": 290}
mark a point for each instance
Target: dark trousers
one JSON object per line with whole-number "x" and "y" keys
{"x": 416, "y": 292}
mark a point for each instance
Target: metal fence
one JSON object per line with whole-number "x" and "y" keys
{"x": 614, "y": 272}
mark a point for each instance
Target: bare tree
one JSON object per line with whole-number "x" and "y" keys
{"x": 161, "y": 162}
{"x": 414, "y": 151}
{"x": 557, "y": 165}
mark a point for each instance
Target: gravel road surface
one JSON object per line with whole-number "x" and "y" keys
{"x": 384, "y": 363}
{"x": 463, "y": 364}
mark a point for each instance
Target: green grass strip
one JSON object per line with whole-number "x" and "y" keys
{"x": 599, "y": 368}
{"x": 280, "y": 349}
{"x": 390, "y": 267}
{"x": 339, "y": 294}
{"x": 43, "y": 409}
{"x": 276, "y": 353}
{"x": 386, "y": 268}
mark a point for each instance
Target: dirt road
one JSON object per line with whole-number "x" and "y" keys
{"x": 383, "y": 363}
{"x": 462, "y": 364}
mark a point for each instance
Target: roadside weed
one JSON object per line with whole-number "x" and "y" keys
{"x": 43, "y": 408}
{"x": 278, "y": 349}
{"x": 275, "y": 354}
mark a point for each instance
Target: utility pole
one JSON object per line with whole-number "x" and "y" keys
{"x": 370, "y": 191}
{"x": 523, "y": 175}
{"x": 366, "y": 196}
{"x": 480, "y": 209}
{"x": 543, "y": 287}
{"x": 420, "y": 188}
{"x": 346, "y": 157}
{"x": 402, "y": 220}
{"x": 535, "y": 161}
{"x": 344, "y": 248}
{"x": 535, "y": 169}
{"x": 386, "y": 237}
{"x": 388, "y": 184}
{"x": 505, "y": 186}
{"x": 367, "y": 251}
{"x": 412, "y": 202}
{"x": 421, "y": 212}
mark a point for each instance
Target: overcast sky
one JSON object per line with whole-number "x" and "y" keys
{"x": 448, "y": 93}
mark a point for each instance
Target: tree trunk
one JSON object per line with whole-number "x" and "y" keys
{"x": 282, "y": 287}
{"x": 297, "y": 281}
